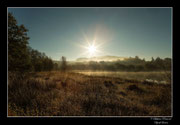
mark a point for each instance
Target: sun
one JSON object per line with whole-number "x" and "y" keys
{"x": 91, "y": 50}
{"x": 93, "y": 47}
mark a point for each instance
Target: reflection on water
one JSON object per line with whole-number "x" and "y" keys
{"x": 151, "y": 77}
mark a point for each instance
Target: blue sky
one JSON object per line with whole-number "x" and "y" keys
{"x": 125, "y": 32}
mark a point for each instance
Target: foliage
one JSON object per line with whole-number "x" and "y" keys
{"x": 18, "y": 57}
{"x": 130, "y": 64}
{"x": 21, "y": 57}
{"x": 40, "y": 61}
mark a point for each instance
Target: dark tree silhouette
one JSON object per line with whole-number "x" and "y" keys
{"x": 40, "y": 62}
{"x": 22, "y": 57}
{"x": 63, "y": 64}
{"x": 18, "y": 56}
{"x": 129, "y": 64}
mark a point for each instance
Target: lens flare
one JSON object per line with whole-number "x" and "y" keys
{"x": 92, "y": 50}
{"x": 93, "y": 46}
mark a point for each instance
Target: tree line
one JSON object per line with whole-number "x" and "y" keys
{"x": 21, "y": 57}
{"x": 130, "y": 64}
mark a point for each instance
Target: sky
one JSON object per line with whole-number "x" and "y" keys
{"x": 124, "y": 32}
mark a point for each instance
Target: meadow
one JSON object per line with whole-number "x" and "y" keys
{"x": 88, "y": 94}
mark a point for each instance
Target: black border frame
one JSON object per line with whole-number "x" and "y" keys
{"x": 138, "y": 3}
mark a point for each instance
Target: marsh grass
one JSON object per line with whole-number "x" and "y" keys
{"x": 74, "y": 94}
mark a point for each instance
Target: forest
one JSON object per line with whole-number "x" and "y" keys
{"x": 130, "y": 64}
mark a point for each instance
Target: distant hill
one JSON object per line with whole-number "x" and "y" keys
{"x": 101, "y": 58}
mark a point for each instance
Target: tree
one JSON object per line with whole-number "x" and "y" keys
{"x": 136, "y": 57}
{"x": 47, "y": 63}
{"x": 152, "y": 59}
{"x": 40, "y": 62}
{"x": 159, "y": 63}
{"x": 63, "y": 64}
{"x": 18, "y": 56}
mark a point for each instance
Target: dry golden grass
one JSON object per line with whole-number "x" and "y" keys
{"x": 74, "y": 94}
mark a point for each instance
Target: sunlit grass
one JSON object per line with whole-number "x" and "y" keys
{"x": 74, "y": 94}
